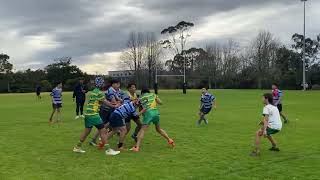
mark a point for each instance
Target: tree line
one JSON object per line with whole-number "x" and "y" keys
{"x": 229, "y": 64}
{"x": 263, "y": 61}
{"x": 61, "y": 70}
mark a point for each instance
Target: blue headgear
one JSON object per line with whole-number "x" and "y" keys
{"x": 99, "y": 82}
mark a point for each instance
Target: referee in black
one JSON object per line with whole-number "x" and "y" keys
{"x": 79, "y": 94}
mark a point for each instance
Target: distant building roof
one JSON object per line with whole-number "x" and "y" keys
{"x": 124, "y": 73}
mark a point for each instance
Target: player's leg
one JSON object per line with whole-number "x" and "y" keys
{"x": 81, "y": 108}
{"x": 140, "y": 137}
{"x": 164, "y": 134}
{"x": 137, "y": 129}
{"x": 59, "y": 113}
{"x": 258, "y": 137}
{"x": 284, "y": 117}
{"x": 201, "y": 117}
{"x": 123, "y": 133}
{"x": 77, "y": 109}
{"x": 105, "y": 136}
{"x": 83, "y": 137}
{"x": 128, "y": 124}
{"x": 280, "y": 108}
{"x": 117, "y": 124}
{"x": 103, "y": 133}
{"x": 271, "y": 139}
{"x": 104, "y": 116}
{"x": 52, "y": 113}
{"x": 274, "y": 144}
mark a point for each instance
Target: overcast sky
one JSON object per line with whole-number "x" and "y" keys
{"x": 94, "y": 32}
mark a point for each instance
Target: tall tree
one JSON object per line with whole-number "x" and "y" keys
{"x": 263, "y": 54}
{"x": 6, "y": 69}
{"x": 312, "y": 47}
{"x": 153, "y": 49}
{"x": 211, "y": 64}
{"x": 62, "y": 70}
{"x": 5, "y": 65}
{"x": 177, "y": 37}
{"x": 134, "y": 54}
{"x": 288, "y": 68}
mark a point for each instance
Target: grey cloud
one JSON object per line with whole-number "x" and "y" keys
{"x": 70, "y": 21}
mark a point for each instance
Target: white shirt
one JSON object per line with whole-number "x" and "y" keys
{"x": 274, "y": 121}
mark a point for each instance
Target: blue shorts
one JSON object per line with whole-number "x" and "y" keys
{"x": 205, "y": 110}
{"x": 116, "y": 120}
{"x": 105, "y": 115}
{"x": 56, "y": 106}
{"x": 134, "y": 118}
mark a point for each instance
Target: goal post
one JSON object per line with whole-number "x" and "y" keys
{"x": 156, "y": 85}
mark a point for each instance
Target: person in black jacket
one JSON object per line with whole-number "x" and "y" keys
{"x": 79, "y": 94}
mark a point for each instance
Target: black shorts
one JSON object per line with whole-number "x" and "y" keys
{"x": 205, "y": 110}
{"x": 56, "y": 106}
{"x": 116, "y": 121}
{"x": 105, "y": 115}
{"x": 38, "y": 93}
{"x": 279, "y": 106}
{"x": 128, "y": 119}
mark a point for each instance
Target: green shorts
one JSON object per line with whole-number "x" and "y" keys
{"x": 151, "y": 116}
{"x": 95, "y": 120}
{"x": 271, "y": 131}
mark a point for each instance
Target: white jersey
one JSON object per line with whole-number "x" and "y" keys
{"x": 274, "y": 121}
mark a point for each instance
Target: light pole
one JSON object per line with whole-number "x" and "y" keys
{"x": 156, "y": 80}
{"x": 304, "y": 46}
{"x": 184, "y": 68}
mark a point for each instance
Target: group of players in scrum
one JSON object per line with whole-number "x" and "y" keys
{"x": 111, "y": 112}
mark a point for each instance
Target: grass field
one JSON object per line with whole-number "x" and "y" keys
{"x": 32, "y": 149}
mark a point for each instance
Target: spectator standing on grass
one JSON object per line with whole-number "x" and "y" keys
{"x": 79, "y": 94}
{"x": 38, "y": 91}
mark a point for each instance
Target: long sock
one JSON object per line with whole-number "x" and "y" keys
{"x": 107, "y": 146}
{"x": 79, "y": 144}
{"x": 120, "y": 145}
{"x": 201, "y": 119}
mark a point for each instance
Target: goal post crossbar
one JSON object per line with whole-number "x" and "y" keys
{"x": 169, "y": 75}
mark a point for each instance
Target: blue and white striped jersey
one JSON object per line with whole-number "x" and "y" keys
{"x": 126, "y": 110}
{"x": 207, "y": 100}
{"x": 56, "y": 95}
{"x": 111, "y": 93}
{"x": 277, "y": 95}
{"x": 124, "y": 96}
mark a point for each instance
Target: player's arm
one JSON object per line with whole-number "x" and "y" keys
{"x": 118, "y": 99}
{"x": 110, "y": 104}
{"x": 135, "y": 114}
{"x": 143, "y": 110}
{"x": 214, "y": 104}
{"x": 51, "y": 94}
{"x": 201, "y": 103}
{"x": 74, "y": 93}
{"x": 113, "y": 101}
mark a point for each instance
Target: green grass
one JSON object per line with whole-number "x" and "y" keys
{"x": 32, "y": 149}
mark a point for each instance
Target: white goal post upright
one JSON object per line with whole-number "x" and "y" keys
{"x": 168, "y": 75}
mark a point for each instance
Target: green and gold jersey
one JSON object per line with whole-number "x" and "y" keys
{"x": 94, "y": 103}
{"x": 149, "y": 102}
{"x": 133, "y": 97}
